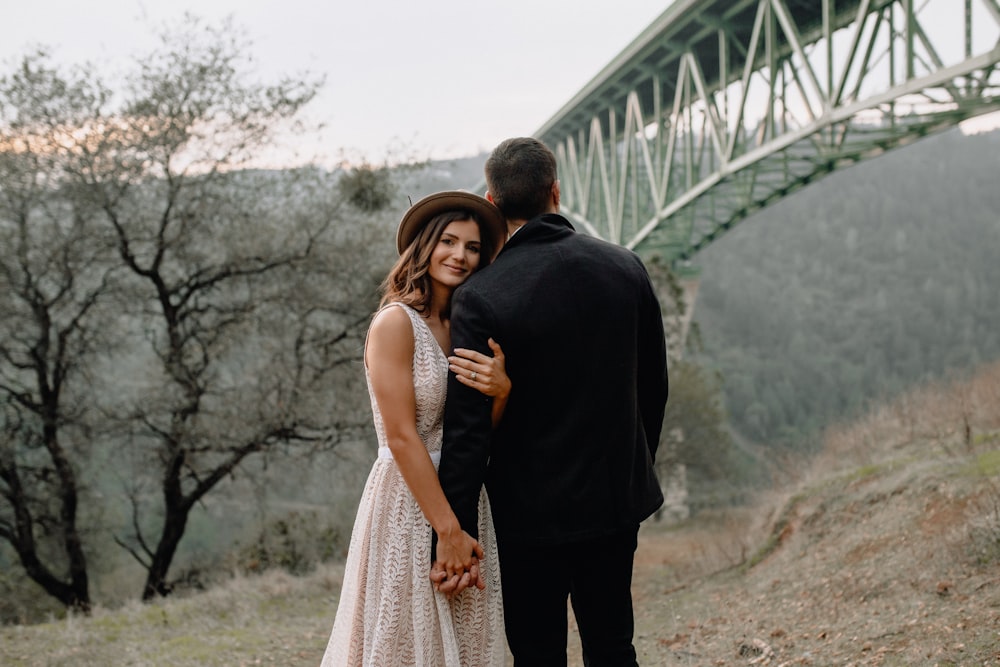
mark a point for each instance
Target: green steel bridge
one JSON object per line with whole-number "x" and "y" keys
{"x": 722, "y": 107}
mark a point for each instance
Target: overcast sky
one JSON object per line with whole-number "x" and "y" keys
{"x": 431, "y": 78}
{"x": 439, "y": 78}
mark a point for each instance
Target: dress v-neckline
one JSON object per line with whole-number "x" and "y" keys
{"x": 430, "y": 331}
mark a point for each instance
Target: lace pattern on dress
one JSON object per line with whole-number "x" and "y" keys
{"x": 389, "y": 613}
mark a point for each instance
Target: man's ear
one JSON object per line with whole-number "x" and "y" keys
{"x": 489, "y": 198}
{"x": 555, "y": 195}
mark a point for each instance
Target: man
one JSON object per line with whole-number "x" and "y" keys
{"x": 569, "y": 469}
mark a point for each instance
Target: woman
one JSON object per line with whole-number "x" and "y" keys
{"x": 389, "y": 611}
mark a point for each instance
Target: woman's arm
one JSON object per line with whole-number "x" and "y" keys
{"x": 490, "y": 375}
{"x": 389, "y": 358}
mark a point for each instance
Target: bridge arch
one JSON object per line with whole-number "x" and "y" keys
{"x": 720, "y": 108}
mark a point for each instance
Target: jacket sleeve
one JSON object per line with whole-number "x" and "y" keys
{"x": 653, "y": 384}
{"x": 468, "y": 427}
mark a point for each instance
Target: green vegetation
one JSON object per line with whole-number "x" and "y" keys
{"x": 988, "y": 463}
{"x": 876, "y": 279}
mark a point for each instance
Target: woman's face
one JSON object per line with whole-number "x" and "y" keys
{"x": 456, "y": 254}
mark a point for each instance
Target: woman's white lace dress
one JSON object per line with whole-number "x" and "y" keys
{"x": 389, "y": 614}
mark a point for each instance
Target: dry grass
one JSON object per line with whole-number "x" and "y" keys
{"x": 273, "y": 619}
{"x": 886, "y": 551}
{"x": 947, "y": 415}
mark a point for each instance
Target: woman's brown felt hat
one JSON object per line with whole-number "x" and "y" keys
{"x": 424, "y": 211}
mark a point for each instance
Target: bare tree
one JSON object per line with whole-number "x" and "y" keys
{"x": 206, "y": 254}
{"x": 53, "y": 274}
{"x": 225, "y": 335}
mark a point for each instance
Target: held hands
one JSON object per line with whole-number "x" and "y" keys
{"x": 485, "y": 374}
{"x": 457, "y": 583}
{"x": 456, "y": 565}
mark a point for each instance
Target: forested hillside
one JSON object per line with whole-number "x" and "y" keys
{"x": 874, "y": 279}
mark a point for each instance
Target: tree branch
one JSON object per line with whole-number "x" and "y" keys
{"x": 132, "y": 552}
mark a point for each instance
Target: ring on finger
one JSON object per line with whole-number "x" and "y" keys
{"x": 473, "y": 376}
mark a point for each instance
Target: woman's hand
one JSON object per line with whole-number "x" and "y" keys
{"x": 485, "y": 374}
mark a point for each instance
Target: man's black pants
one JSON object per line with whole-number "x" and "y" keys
{"x": 596, "y": 576}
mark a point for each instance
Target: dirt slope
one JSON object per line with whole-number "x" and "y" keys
{"x": 890, "y": 564}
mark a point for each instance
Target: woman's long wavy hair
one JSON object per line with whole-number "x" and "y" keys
{"x": 409, "y": 281}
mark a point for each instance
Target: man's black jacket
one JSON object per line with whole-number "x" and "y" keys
{"x": 582, "y": 333}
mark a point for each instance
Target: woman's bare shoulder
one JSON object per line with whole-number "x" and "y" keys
{"x": 391, "y": 320}
{"x": 390, "y": 333}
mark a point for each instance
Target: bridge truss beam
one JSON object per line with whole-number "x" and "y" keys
{"x": 721, "y": 108}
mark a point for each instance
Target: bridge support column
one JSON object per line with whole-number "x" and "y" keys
{"x": 677, "y": 297}
{"x": 689, "y": 293}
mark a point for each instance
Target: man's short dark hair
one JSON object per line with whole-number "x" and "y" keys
{"x": 520, "y": 173}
